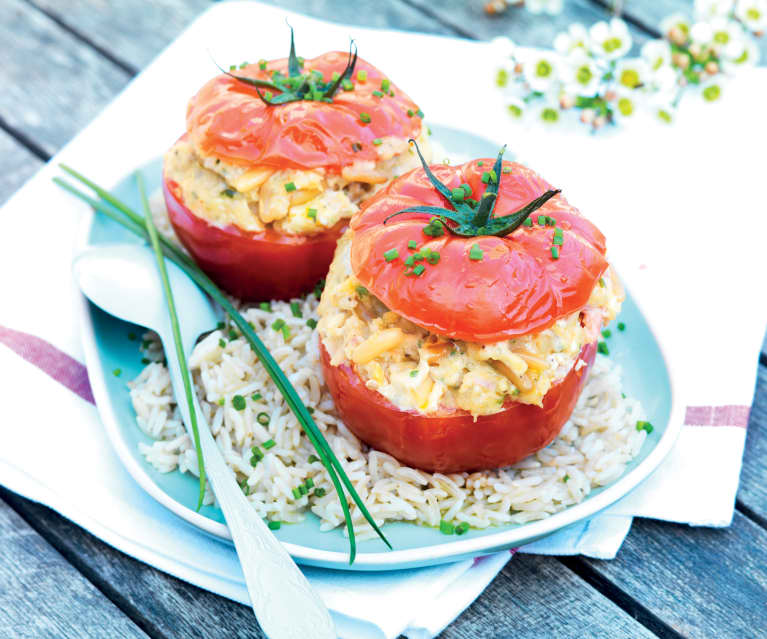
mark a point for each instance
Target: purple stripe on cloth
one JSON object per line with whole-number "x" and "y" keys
{"x": 64, "y": 369}
{"x": 717, "y": 416}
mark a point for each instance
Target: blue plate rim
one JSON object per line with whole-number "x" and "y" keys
{"x": 379, "y": 560}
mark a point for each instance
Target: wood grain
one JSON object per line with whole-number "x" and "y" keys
{"x": 467, "y": 18}
{"x": 53, "y": 85}
{"x": 753, "y": 477}
{"x": 17, "y": 164}
{"x": 536, "y": 597}
{"x": 42, "y": 596}
{"x": 702, "y": 582}
{"x": 135, "y": 32}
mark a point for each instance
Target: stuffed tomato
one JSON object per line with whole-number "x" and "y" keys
{"x": 461, "y": 315}
{"x": 276, "y": 158}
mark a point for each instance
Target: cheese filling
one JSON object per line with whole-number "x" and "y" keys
{"x": 296, "y": 202}
{"x": 419, "y": 370}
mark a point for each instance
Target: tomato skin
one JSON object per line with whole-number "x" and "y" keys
{"x": 226, "y": 119}
{"x": 252, "y": 266}
{"x": 453, "y": 441}
{"x": 517, "y": 288}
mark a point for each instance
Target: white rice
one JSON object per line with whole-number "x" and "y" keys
{"x": 592, "y": 449}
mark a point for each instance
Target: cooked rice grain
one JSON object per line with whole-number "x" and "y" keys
{"x": 592, "y": 449}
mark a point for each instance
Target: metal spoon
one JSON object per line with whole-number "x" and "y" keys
{"x": 123, "y": 280}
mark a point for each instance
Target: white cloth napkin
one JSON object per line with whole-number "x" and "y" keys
{"x": 684, "y": 224}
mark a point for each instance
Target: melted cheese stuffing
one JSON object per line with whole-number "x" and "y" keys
{"x": 416, "y": 369}
{"x": 254, "y": 198}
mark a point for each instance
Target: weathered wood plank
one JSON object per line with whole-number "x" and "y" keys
{"x": 135, "y": 32}
{"x": 468, "y": 18}
{"x": 539, "y": 597}
{"x": 753, "y": 477}
{"x": 534, "y": 596}
{"x": 17, "y": 164}
{"x": 171, "y": 607}
{"x": 53, "y": 85}
{"x": 703, "y": 582}
{"x": 41, "y": 595}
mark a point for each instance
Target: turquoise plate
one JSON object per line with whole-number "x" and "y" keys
{"x": 645, "y": 372}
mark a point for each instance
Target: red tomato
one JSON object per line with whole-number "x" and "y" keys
{"x": 227, "y": 119}
{"x": 252, "y": 266}
{"x": 453, "y": 441}
{"x": 515, "y": 289}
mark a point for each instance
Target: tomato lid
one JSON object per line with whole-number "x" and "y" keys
{"x": 228, "y": 120}
{"x": 486, "y": 288}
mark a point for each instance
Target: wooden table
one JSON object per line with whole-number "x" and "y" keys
{"x": 61, "y": 63}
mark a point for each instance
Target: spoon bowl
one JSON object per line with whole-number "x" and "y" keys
{"x": 124, "y": 281}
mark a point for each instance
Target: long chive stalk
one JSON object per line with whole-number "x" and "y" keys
{"x": 133, "y": 222}
{"x": 180, "y": 354}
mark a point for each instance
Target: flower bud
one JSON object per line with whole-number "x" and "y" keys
{"x": 599, "y": 122}
{"x": 566, "y": 101}
{"x": 677, "y": 36}
{"x": 610, "y": 95}
{"x": 712, "y": 68}
{"x": 587, "y": 116}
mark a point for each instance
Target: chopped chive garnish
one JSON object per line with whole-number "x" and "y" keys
{"x": 458, "y": 194}
{"x": 221, "y": 401}
{"x": 310, "y": 409}
{"x": 432, "y": 257}
{"x": 232, "y": 67}
{"x": 476, "y": 253}
{"x": 420, "y": 268}
{"x": 566, "y": 478}
{"x": 313, "y": 458}
{"x": 220, "y": 325}
{"x": 541, "y": 220}
{"x": 555, "y": 252}
{"x": 238, "y": 402}
{"x": 435, "y": 228}
{"x": 257, "y": 453}
{"x": 446, "y": 528}
{"x": 410, "y": 113}
{"x": 296, "y": 493}
{"x": 335, "y": 76}
{"x": 290, "y": 187}
{"x": 274, "y": 525}
{"x": 621, "y": 326}
{"x": 485, "y": 177}
{"x": 222, "y": 343}
{"x": 312, "y": 213}
{"x": 302, "y": 489}
{"x": 378, "y": 93}
{"x": 255, "y": 396}
{"x": 233, "y": 334}
{"x": 480, "y": 163}
{"x": 254, "y": 461}
{"x": 347, "y": 85}
{"x": 462, "y": 528}
{"x": 645, "y": 426}
{"x": 295, "y": 309}
{"x": 263, "y": 419}
{"x": 319, "y": 492}
{"x": 309, "y": 483}
{"x": 602, "y": 282}
{"x": 364, "y": 117}
{"x": 414, "y": 372}
{"x": 527, "y": 222}
{"x": 557, "y": 240}
{"x": 602, "y": 348}
{"x": 362, "y": 75}
{"x": 285, "y": 332}
{"x": 391, "y": 255}
{"x": 278, "y": 324}
{"x": 506, "y": 170}
{"x": 410, "y": 260}
{"x": 378, "y": 141}
{"x": 311, "y": 323}
{"x": 117, "y": 372}
{"x": 466, "y": 189}
{"x": 361, "y": 290}
{"x": 412, "y": 244}
{"x": 419, "y": 113}
{"x": 262, "y": 65}
{"x": 606, "y": 333}
{"x": 265, "y": 306}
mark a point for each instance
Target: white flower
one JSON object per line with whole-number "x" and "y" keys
{"x": 547, "y": 112}
{"x": 625, "y": 105}
{"x": 747, "y": 54}
{"x": 631, "y": 73}
{"x": 701, "y": 33}
{"x": 752, "y": 13}
{"x": 657, "y": 54}
{"x": 707, "y": 9}
{"x": 610, "y": 40}
{"x": 580, "y": 75}
{"x": 664, "y": 83}
{"x": 539, "y": 70}
{"x": 576, "y": 38}
{"x": 676, "y": 28}
{"x": 726, "y": 33}
{"x": 711, "y": 91}
{"x": 552, "y": 7}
